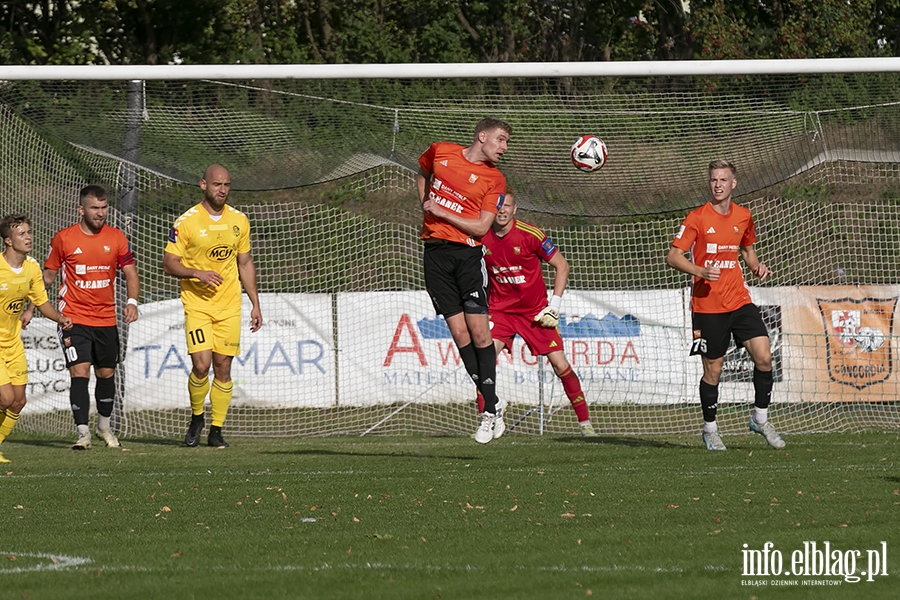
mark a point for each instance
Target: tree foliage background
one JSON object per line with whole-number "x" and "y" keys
{"x": 395, "y": 31}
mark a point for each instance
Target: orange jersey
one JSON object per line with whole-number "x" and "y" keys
{"x": 460, "y": 186}
{"x": 87, "y": 268}
{"x": 715, "y": 240}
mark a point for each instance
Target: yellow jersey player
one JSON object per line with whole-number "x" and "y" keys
{"x": 20, "y": 282}
{"x": 208, "y": 249}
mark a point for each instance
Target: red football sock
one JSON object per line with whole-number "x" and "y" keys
{"x": 572, "y": 386}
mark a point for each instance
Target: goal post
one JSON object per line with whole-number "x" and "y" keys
{"x": 323, "y": 162}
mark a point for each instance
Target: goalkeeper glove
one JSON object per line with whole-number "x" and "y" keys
{"x": 549, "y": 315}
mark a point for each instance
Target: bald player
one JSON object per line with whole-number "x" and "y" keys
{"x": 208, "y": 250}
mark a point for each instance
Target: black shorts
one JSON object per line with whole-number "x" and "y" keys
{"x": 713, "y": 331}
{"x": 96, "y": 345}
{"x": 455, "y": 277}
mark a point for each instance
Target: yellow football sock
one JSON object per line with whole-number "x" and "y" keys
{"x": 220, "y": 399}
{"x": 197, "y": 390}
{"x": 7, "y": 424}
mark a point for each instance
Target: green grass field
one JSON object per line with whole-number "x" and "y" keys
{"x": 442, "y": 517}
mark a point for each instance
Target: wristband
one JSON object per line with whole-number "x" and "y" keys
{"x": 555, "y": 302}
{"x": 132, "y": 301}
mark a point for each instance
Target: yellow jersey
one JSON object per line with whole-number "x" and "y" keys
{"x": 206, "y": 243}
{"x": 15, "y": 290}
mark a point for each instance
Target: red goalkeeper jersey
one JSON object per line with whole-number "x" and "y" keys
{"x": 514, "y": 267}
{"x": 462, "y": 187}
{"x": 715, "y": 240}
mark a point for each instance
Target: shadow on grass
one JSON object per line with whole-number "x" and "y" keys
{"x": 407, "y": 454}
{"x": 632, "y": 442}
{"x": 154, "y": 441}
{"x": 44, "y": 443}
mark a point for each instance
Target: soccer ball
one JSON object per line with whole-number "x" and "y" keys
{"x": 588, "y": 153}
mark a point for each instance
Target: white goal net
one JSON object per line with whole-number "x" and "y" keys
{"x": 325, "y": 170}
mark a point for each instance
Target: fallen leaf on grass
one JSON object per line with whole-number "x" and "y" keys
{"x": 10, "y": 557}
{"x": 671, "y": 506}
{"x": 176, "y": 554}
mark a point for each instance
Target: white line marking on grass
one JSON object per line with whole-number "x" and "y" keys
{"x": 55, "y": 562}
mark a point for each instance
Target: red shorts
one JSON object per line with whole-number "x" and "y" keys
{"x": 540, "y": 340}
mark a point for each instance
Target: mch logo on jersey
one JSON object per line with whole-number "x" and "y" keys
{"x": 173, "y": 235}
{"x": 858, "y": 331}
{"x": 220, "y": 253}
{"x": 14, "y": 307}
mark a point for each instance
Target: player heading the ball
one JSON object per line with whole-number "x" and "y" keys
{"x": 461, "y": 190}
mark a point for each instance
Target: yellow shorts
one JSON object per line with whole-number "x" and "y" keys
{"x": 216, "y": 331}
{"x": 13, "y": 367}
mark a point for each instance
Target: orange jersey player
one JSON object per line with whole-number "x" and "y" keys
{"x": 88, "y": 254}
{"x": 716, "y": 234}
{"x": 461, "y": 190}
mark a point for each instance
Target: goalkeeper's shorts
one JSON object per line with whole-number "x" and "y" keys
{"x": 539, "y": 339}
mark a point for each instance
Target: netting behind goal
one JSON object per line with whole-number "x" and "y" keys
{"x": 325, "y": 170}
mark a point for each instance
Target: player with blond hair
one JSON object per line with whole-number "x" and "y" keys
{"x": 461, "y": 190}
{"x": 716, "y": 234}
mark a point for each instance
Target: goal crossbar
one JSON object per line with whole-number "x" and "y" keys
{"x": 452, "y": 70}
